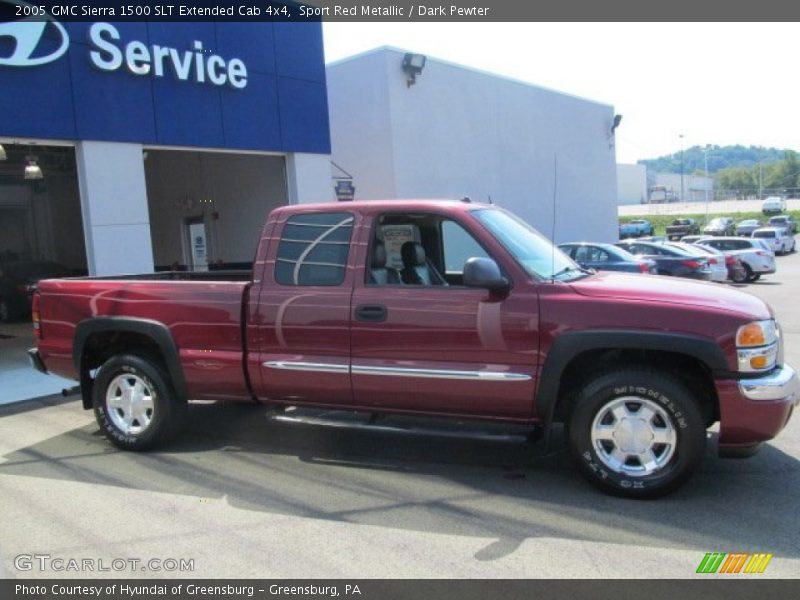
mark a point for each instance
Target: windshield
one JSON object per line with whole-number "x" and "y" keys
{"x": 529, "y": 248}
{"x": 764, "y": 234}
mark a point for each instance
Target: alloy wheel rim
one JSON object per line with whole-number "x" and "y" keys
{"x": 130, "y": 403}
{"x": 633, "y": 436}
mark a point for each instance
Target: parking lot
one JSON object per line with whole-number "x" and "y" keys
{"x": 241, "y": 495}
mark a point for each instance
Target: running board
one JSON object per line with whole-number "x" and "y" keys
{"x": 372, "y": 425}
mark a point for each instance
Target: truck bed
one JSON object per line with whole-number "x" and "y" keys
{"x": 202, "y": 311}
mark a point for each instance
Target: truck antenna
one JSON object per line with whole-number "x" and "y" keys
{"x": 553, "y": 228}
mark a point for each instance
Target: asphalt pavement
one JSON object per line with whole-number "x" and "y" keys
{"x": 241, "y": 495}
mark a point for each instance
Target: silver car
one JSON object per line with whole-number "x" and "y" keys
{"x": 780, "y": 240}
{"x": 756, "y": 258}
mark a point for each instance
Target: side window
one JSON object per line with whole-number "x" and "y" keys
{"x": 458, "y": 246}
{"x": 595, "y": 254}
{"x": 313, "y": 249}
{"x": 581, "y": 254}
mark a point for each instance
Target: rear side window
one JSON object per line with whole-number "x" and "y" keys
{"x": 313, "y": 249}
{"x": 591, "y": 254}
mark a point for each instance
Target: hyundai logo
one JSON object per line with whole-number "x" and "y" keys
{"x": 29, "y": 47}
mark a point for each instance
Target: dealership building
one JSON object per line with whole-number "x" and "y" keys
{"x": 133, "y": 147}
{"x": 129, "y": 147}
{"x": 408, "y": 126}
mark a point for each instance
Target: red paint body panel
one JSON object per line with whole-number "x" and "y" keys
{"x": 454, "y": 328}
{"x": 204, "y": 319}
{"x": 746, "y": 422}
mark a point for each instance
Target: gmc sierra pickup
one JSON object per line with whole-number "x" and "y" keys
{"x": 439, "y": 308}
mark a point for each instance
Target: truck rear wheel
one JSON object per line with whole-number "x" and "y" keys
{"x": 135, "y": 404}
{"x": 636, "y": 433}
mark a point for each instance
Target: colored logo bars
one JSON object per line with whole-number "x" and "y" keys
{"x": 729, "y": 563}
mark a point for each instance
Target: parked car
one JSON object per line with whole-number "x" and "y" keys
{"x": 734, "y": 268}
{"x": 785, "y": 221}
{"x": 720, "y": 226}
{"x": 716, "y": 260}
{"x": 670, "y": 260}
{"x": 636, "y": 369}
{"x": 691, "y": 239}
{"x": 680, "y": 228}
{"x": 747, "y": 227}
{"x": 17, "y": 282}
{"x": 778, "y": 238}
{"x": 756, "y": 258}
{"x": 606, "y": 257}
{"x": 636, "y": 228}
{"x": 773, "y": 205}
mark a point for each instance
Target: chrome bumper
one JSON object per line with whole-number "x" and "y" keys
{"x": 781, "y": 384}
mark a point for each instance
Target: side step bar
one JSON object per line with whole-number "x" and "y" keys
{"x": 372, "y": 424}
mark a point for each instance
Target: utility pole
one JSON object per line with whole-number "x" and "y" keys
{"x": 681, "y": 136}
{"x": 705, "y": 168}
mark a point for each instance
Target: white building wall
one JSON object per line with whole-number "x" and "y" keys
{"x": 459, "y": 132}
{"x": 694, "y": 186}
{"x": 116, "y": 221}
{"x": 631, "y": 184}
{"x": 361, "y": 130}
{"x": 309, "y": 178}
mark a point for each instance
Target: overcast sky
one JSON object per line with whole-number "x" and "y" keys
{"x": 720, "y": 83}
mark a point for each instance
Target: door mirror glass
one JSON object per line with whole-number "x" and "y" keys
{"x": 484, "y": 272}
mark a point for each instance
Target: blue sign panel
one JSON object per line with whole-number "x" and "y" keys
{"x": 249, "y": 86}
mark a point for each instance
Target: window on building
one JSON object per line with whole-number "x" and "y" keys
{"x": 313, "y": 249}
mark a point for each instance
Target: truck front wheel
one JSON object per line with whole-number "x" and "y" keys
{"x": 636, "y": 433}
{"x": 134, "y": 403}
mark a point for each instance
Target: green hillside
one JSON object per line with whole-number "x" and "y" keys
{"x": 719, "y": 157}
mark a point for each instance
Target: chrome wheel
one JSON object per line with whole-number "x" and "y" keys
{"x": 634, "y": 436}
{"x": 130, "y": 403}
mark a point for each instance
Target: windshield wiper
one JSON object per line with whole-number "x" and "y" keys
{"x": 570, "y": 269}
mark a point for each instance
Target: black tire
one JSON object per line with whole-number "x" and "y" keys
{"x": 739, "y": 276}
{"x": 674, "y": 408}
{"x": 749, "y": 275}
{"x": 756, "y": 277}
{"x": 156, "y": 425}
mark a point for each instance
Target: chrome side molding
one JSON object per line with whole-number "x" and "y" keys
{"x": 291, "y": 365}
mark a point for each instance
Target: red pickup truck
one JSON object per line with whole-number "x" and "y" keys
{"x": 441, "y": 308}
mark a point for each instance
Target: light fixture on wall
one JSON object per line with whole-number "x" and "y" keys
{"x": 32, "y": 169}
{"x": 3, "y": 155}
{"x": 412, "y": 66}
{"x": 617, "y": 121}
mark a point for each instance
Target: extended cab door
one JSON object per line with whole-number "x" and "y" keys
{"x": 421, "y": 341}
{"x": 302, "y": 317}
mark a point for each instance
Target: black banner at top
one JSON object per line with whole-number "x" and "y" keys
{"x": 410, "y": 11}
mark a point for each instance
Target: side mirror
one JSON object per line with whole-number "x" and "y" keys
{"x": 484, "y": 273}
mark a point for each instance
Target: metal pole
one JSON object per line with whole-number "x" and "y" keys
{"x": 705, "y": 164}
{"x": 681, "y": 136}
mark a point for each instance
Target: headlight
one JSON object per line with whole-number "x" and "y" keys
{"x": 757, "y": 346}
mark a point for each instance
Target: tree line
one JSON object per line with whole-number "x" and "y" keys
{"x": 745, "y": 170}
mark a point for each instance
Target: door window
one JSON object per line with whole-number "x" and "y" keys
{"x": 458, "y": 246}
{"x": 313, "y": 249}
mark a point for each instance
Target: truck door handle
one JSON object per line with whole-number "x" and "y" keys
{"x": 372, "y": 313}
